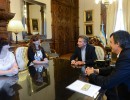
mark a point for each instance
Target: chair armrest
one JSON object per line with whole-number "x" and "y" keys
{"x": 47, "y": 55}
{"x": 53, "y": 50}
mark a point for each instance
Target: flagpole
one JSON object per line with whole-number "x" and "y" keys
{"x": 105, "y": 34}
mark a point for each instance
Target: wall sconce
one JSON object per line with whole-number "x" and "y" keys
{"x": 15, "y": 26}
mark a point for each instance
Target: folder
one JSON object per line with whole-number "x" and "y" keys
{"x": 85, "y": 88}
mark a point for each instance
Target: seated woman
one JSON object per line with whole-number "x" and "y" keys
{"x": 36, "y": 56}
{"x": 8, "y": 65}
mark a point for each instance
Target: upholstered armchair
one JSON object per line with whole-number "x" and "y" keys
{"x": 99, "y": 48}
{"x": 100, "y": 53}
{"x": 21, "y": 57}
{"x": 50, "y": 53}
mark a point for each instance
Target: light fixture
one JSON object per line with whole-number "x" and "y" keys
{"x": 105, "y": 2}
{"x": 15, "y": 26}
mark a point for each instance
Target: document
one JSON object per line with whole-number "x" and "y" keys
{"x": 85, "y": 88}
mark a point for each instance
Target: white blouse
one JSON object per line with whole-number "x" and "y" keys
{"x": 7, "y": 62}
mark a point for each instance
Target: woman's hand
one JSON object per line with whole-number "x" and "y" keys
{"x": 12, "y": 71}
{"x": 44, "y": 61}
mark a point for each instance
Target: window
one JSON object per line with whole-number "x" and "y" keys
{"x": 119, "y": 21}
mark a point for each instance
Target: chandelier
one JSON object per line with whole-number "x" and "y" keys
{"x": 106, "y": 2}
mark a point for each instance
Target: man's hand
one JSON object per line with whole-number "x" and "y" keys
{"x": 73, "y": 62}
{"x": 89, "y": 70}
{"x": 77, "y": 62}
{"x": 80, "y": 63}
{"x": 96, "y": 71}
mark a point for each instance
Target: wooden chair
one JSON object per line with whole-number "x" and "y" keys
{"x": 94, "y": 40}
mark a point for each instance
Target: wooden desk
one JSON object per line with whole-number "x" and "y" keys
{"x": 51, "y": 87}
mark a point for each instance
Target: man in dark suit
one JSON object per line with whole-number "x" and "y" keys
{"x": 116, "y": 80}
{"x": 84, "y": 52}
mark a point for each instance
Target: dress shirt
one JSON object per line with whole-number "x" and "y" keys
{"x": 83, "y": 53}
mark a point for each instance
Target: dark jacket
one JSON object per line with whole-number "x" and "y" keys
{"x": 119, "y": 75}
{"x": 31, "y": 54}
{"x": 90, "y": 55}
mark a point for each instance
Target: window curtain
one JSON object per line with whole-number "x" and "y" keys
{"x": 126, "y": 14}
{"x": 111, "y": 18}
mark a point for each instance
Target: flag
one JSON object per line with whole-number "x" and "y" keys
{"x": 102, "y": 35}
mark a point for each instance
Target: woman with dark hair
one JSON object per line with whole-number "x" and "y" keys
{"x": 8, "y": 65}
{"x": 36, "y": 55}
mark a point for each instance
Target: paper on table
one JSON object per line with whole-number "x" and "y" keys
{"x": 84, "y": 88}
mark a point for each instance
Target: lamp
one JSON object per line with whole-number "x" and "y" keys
{"x": 15, "y": 26}
{"x": 105, "y": 2}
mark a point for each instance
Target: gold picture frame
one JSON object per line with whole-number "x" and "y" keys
{"x": 34, "y": 25}
{"x": 88, "y": 29}
{"x": 88, "y": 16}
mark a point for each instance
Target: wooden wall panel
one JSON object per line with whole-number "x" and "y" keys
{"x": 5, "y": 4}
{"x": 65, "y": 29}
{"x": 5, "y": 16}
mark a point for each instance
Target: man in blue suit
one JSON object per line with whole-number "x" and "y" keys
{"x": 116, "y": 80}
{"x": 84, "y": 52}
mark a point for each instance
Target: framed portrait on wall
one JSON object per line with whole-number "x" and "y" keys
{"x": 88, "y": 16}
{"x": 34, "y": 25}
{"x": 88, "y": 29}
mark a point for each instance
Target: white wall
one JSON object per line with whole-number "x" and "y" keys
{"x": 15, "y": 7}
{"x": 89, "y": 5}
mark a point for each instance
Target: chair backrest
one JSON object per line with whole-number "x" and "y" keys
{"x": 100, "y": 53}
{"x": 99, "y": 48}
{"x": 46, "y": 47}
{"x": 94, "y": 40}
{"x": 21, "y": 57}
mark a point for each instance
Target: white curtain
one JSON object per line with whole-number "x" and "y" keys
{"x": 111, "y": 18}
{"x": 126, "y": 14}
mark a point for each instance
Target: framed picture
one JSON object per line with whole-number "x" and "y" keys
{"x": 88, "y": 16}
{"x": 34, "y": 25}
{"x": 88, "y": 29}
